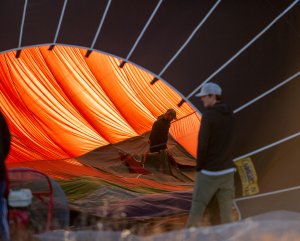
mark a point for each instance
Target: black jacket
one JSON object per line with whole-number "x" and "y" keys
{"x": 159, "y": 134}
{"x": 4, "y": 145}
{"x": 215, "y": 138}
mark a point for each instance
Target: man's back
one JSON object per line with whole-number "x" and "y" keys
{"x": 215, "y": 138}
{"x": 159, "y": 134}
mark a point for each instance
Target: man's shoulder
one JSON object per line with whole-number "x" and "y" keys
{"x": 213, "y": 114}
{"x": 160, "y": 121}
{"x": 207, "y": 112}
{"x": 220, "y": 108}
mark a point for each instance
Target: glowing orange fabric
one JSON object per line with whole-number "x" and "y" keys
{"x": 60, "y": 104}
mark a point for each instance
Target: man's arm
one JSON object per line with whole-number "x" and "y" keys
{"x": 203, "y": 138}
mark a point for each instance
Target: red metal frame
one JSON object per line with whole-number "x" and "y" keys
{"x": 40, "y": 195}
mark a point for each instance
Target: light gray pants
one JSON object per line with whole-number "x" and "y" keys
{"x": 205, "y": 188}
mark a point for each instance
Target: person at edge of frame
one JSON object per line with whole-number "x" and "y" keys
{"x": 215, "y": 168}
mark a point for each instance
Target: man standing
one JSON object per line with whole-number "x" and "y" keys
{"x": 215, "y": 168}
{"x": 159, "y": 134}
{"x": 4, "y": 150}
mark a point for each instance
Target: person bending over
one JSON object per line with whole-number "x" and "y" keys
{"x": 160, "y": 130}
